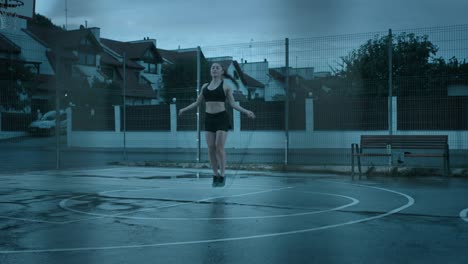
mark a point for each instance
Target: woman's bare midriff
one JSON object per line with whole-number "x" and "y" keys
{"x": 214, "y": 107}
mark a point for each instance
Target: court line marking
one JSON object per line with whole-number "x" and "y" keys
{"x": 121, "y": 215}
{"x": 170, "y": 181}
{"x": 63, "y": 205}
{"x": 30, "y": 220}
{"x": 464, "y": 214}
{"x": 268, "y": 235}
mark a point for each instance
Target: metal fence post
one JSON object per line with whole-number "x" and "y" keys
{"x": 198, "y": 107}
{"x": 57, "y": 106}
{"x": 286, "y": 114}
{"x": 125, "y": 105}
{"x": 390, "y": 84}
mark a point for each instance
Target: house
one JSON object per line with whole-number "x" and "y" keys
{"x": 300, "y": 80}
{"x": 143, "y": 64}
{"x": 258, "y": 71}
{"x": 276, "y": 86}
{"x": 93, "y": 71}
{"x": 78, "y": 52}
{"x": 19, "y": 49}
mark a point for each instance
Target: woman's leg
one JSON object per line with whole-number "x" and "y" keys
{"x": 211, "y": 143}
{"x": 221, "y": 137}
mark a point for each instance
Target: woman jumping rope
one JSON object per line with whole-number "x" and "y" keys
{"x": 217, "y": 122}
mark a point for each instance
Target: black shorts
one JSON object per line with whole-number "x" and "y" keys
{"x": 217, "y": 122}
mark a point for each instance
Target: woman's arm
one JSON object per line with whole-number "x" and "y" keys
{"x": 199, "y": 100}
{"x": 232, "y": 102}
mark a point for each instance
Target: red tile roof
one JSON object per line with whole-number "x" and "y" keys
{"x": 251, "y": 82}
{"x": 107, "y": 59}
{"x": 133, "y": 50}
{"x": 177, "y": 55}
{"x": 69, "y": 40}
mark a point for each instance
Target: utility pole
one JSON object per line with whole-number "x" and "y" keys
{"x": 66, "y": 14}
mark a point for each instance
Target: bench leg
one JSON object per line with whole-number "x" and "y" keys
{"x": 359, "y": 150}
{"x": 352, "y": 161}
{"x": 447, "y": 164}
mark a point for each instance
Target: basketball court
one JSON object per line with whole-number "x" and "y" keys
{"x": 124, "y": 214}
{"x": 132, "y": 215}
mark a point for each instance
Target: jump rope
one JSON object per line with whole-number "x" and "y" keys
{"x": 241, "y": 162}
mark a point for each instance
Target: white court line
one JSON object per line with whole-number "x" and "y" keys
{"x": 77, "y": 249}
{"x": 464, "y": 214}
{"x": 30, "y": 220}
{"x": 120, "y": 215}
{"x": 170, "y": 181}
{"x": 63, "y": 205}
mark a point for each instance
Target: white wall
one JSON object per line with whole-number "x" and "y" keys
{"x": 11, "y": 134}
{"x": 273, "y": 88}
{"x": 246, "y": 139}
{"x": 257, "y": 70}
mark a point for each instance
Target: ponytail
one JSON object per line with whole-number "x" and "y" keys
{"x": 227, "y": 75}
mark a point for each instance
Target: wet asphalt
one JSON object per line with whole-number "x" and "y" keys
{"x": 162, "y": 215}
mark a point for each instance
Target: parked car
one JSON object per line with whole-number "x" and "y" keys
{"x": 46, "y": 124}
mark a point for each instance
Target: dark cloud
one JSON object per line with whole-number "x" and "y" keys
{"x": 75, "y": 8}
{"x": 208, "y": 22}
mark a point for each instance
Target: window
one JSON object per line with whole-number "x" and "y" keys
{"x": 151, "y": 68}
{"x": 87, "y": 59}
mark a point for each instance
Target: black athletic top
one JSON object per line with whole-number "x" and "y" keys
{"x": 215, "y": 95}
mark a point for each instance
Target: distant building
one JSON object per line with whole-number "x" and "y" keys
{"x": 143, "y": 69}
{"x": 259, "y": 73}
{"x": 86, "y": 58}
{"x": 300, "y": 83}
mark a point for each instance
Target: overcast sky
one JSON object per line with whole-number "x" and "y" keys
{"x": 191, "y": 23}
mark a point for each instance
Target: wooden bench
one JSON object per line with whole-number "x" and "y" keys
{"x": 405, "y": 143}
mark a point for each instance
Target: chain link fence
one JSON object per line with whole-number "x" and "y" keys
{"x": 312, "y": 97}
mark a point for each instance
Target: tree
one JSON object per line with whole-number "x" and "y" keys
{"x": 16, "y": 82}
{"x": 42, "y": 21}
{"x": 366, "y": 69}
{"x": 180, "y": 79}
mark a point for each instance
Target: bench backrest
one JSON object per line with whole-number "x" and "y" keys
{"x": 405, "y": 141}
